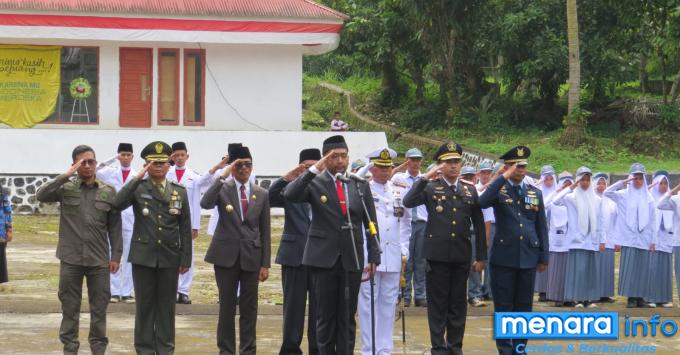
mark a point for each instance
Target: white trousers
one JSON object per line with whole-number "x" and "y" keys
{"x": 121, "y": 281}
{"x": 185, "y": 279}
{"x": 386, "y": 292}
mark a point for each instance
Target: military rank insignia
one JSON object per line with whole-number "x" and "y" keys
{"x": 398, "y": 207}
{"x": 175, "y": 203}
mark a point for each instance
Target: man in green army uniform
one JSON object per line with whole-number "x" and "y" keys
{"x": 160, "y": 248}
{"x": 89, "y": 231}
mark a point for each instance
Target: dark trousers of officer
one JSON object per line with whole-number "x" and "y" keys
{"x": 297, "y": 283}
{"x": 70, "y": 295}
{"x": 335, "y": 316}
{"x": 447, "y": 305}
{"x": 415, "y": 266}
{"x": 156, "y": 293}
{"x": 228, "y": 281}
{"x": 513, "y": 291}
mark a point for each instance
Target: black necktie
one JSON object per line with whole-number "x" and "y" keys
{"x": 518, "y": 190}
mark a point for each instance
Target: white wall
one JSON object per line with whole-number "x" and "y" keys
{"x": 48, "y": 151}
{"x": 252, "y": 87}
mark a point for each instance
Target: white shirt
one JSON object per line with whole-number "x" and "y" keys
{"x": 609, "y": 222}
{"x": 394, "y": 231}
{"x": 421, "y": 211}
{"x": 627, "y": 237}
{"x": 195, "y": 185}
{"x": 575, "y": 239}
{"x": 669, "y": 202}
{"x": 238, "y": 195}
{"x": 557, "y": 235}
{"x": 113, "y": 175}
{"x": 488, "y": 214}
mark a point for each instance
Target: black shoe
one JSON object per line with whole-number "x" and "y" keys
{"x": 632, "y": 302}
{"x": 542, "y": 297}
{"x": 570, "y": 304}
{"x": 183, "y": 299}
{"x": 607, "y": 300}
{"x": 421, "y": 303}
{"x": 559, "y": 304}
{"x": 127, "y": 299}
{"x": 114, "y": 299}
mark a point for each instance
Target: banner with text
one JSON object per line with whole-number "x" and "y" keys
{"x": 29, "y": 83}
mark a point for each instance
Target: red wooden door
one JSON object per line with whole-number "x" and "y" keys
{"x": 136, "y": 68}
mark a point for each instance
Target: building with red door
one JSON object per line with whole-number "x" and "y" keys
{"x": 207, "y": 72}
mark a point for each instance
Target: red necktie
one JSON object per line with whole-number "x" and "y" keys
{"x": 244, "y": 201}
{"x": 179, "y": 173}
{"x": 125, "y": 174}
{"x": 341, "y": 196}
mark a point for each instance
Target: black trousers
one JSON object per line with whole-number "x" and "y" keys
{"x": 446, "y": 305}
{"x": 337, "y": 293}
{"x": 228, "y": 281}
{"x": 513, "y": 291}
{"x": 156, "y": 293}
{"x": 297, "y": 283}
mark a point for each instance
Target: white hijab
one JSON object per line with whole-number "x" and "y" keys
{"x": 587, "y": 204}
{"x": 637, "y": 206}
{"x": 664, "y": 218}
{"x": 547, "y": 191}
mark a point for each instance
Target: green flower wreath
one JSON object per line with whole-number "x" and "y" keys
{"x": 80, "y": 88}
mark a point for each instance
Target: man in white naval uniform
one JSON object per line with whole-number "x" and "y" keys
{"x": 394, "y": 222}
{"x": 195, "y": 184}
{"x": 118, "y": 175}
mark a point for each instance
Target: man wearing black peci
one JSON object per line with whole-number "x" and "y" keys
{"x": 334, "y": 250}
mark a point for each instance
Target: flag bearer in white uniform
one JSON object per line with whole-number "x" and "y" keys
{"x": 195, "y": 184}
{"x": 118, "y": 175}
{"x": 394, "y": 223}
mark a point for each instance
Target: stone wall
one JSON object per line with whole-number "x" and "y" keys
{"x": 22, "y": 189}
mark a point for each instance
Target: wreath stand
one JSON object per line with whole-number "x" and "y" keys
{"x": 80, "y": 103}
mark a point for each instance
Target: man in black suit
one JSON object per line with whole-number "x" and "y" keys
{"x": 453, "y": 212}
{"x": 240, "y": 249}
{"x": 295, "y": 276}
{"x": 334, "y": 249}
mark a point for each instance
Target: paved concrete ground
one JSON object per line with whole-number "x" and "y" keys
{"x": 29, "y": 310}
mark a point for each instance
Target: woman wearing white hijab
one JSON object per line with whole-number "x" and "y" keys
{"x": 559, "y": 248}
{"x": 661, "y": 261}
{"x": 584, "y": 236}
{"x": 636, "y": 213}
{"x": 606, "y": 258}
{"x": 548, "y": 186}
{"x": 670, "y": 201}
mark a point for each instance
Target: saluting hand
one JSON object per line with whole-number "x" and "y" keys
{"x": 321, "y": 164}
{"x": 629, "y": 179}
{"x": 293, "y": 174}
{"x": 432, "y": 173}
{"x": 509, "y": 171}
{"x": 140, "y": 175}
{"x": 73, "y": 168}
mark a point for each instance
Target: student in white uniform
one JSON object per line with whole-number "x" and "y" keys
{"x": 394, "y": 223}
{"x": 606, "y": 258}
{"x": 670, "y": 201}
{"x": 118, "y": 175}
{"x": 195, "y": 184}
{"x": 484, "y": 175}
{"x": 558, "y": 244}
{"x": 662, "y": 260}
{"x": 636, "y": 213}
{"x": 584, "y": 239}
{"x": 548, "y": 186}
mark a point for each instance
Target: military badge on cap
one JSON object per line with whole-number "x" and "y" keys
{"x": 517, "y": 155}
{"x": 382, "y": 157}
{"x": 448, "y": 151}
{"x": 157, "y": 152}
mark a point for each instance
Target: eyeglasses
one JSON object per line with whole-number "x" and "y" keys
{"x": 244, "y": 165}
{"x": 91, "y": 162}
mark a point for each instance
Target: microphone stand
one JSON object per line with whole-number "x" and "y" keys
{"x": 373, "y": 234}
{"x": 349, "y": 226}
